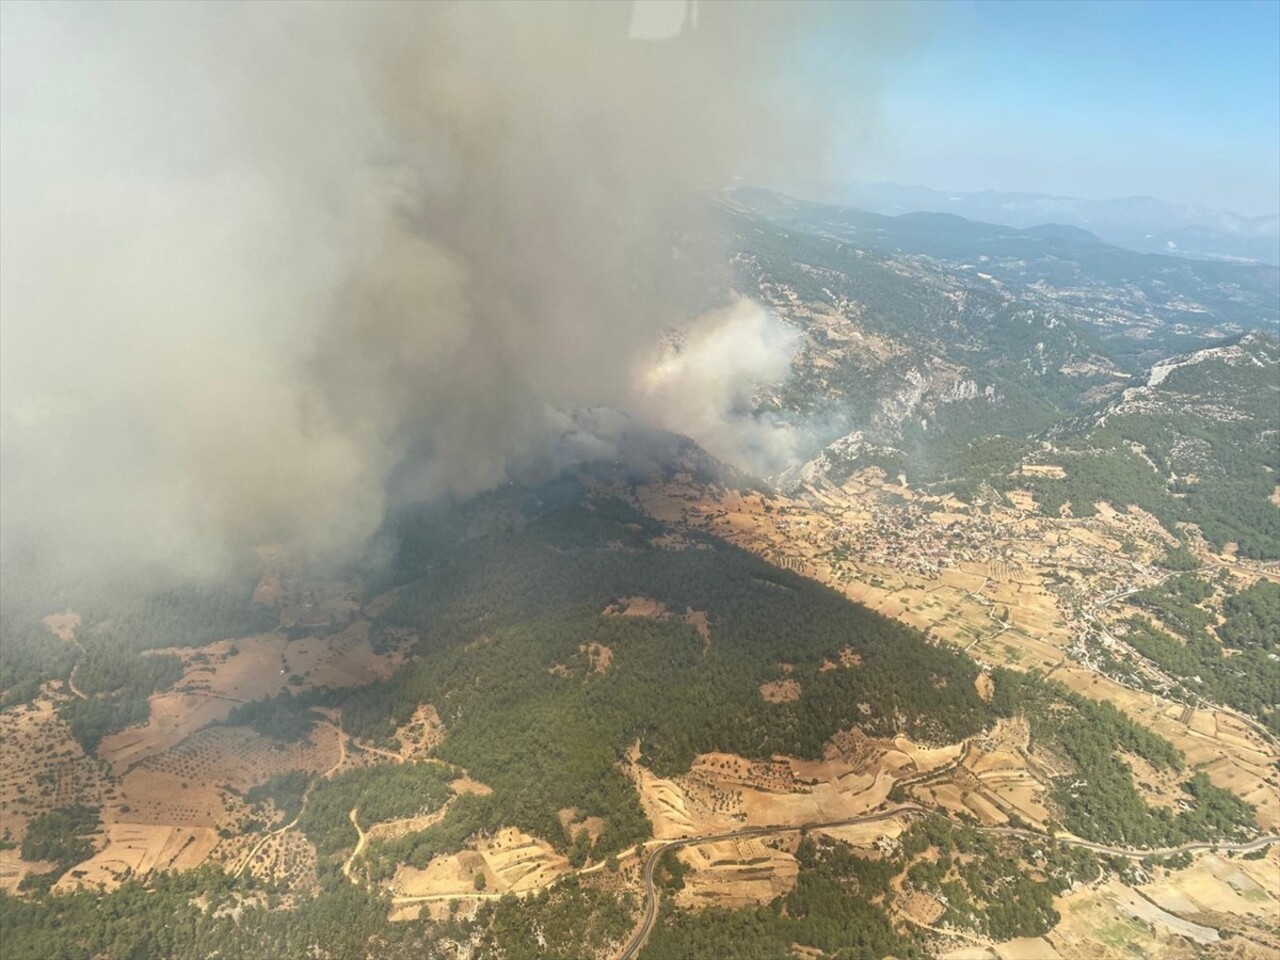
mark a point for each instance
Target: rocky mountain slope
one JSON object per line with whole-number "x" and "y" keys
{"x": 950, "y": 351}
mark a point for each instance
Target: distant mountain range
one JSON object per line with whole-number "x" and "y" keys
{"x": 1144, "y": 224}
{"x": 1056, "y": 265}
{"x": 950, "y": 350}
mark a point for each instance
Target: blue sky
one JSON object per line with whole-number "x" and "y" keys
{"x": 1176, "y": 100}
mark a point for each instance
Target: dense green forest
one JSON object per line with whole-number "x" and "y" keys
{"x": 1246, "y": 681}
{"x": 837, "y": 904}
{"x": 387, "y": 792}
{"x": 61, "y": 837}
{"x": 119, "y": 622}
{"x": 116, "y": 684}
{"x": 1200, "y": 451}
{"x": 1248, "y": 678}
{"x": 1252, "y": 617}
{"x": 503, "y": 623}
{"x": 205, "y": 913}
{"x": 468, "y": 815}
{"x": 285, "y": 717}
{"x": 1210, "y": 433}
{"x": 29, "y": 655}
{"x": 1098, "y": 800}
{"x": 564, "y": 922}
{"x": 285, "y": 790}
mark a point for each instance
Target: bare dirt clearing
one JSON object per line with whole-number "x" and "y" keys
{"x": 780, "y": 691}
{"x": 723, "y": 791}
{"x": 1112, "y": 920}
{"x": 1219, "y": 884}
{"x": 511, "y": 862}
{"x": 220, "y": 676}
{"x": 654, "y": 610}
{"x": 63, "y": 625}
{"x": 573, "y": 822}
{"x": 738, "y": 873}
{"x": 135, "y": 849}
{"x": 420, "y": 735}
{"x": 598, "y": 656}
{"x": 13, "y": 868}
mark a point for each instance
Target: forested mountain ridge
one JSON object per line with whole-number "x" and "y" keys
{"x": 1142, "y": 223}
{"x": 1079, "y": 272}
{"x": 911, "y": 353}
{"x": 919, "y": 355}
{"x": 523, "y": 691}
{"x": 504, "y": 624}
{"x": 549, "y": 696}
{"x": 1197, "y": 441}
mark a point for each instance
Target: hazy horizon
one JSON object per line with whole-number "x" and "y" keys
{"x": 1092, "y": 198}
{"x": 1094, "y": 100}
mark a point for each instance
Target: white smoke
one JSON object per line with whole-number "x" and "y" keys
{"x": 705, "y": 386}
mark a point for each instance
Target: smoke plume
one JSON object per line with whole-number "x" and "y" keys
{"x": 704, "y": 386}
{"x": 268, "y": 269}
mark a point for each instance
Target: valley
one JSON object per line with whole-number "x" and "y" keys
{"x": 1005, "y": 584}
{"x": 996, "y": 581}
{"x": 986, "y": 670}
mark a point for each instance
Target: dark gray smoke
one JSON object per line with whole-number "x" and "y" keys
{"x": 268, "y": 268}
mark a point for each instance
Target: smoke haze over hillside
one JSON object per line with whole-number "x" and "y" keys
{"x": 268, "y": 269}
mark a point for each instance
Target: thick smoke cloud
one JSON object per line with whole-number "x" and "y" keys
{"x": 268, "y": 269}
{"x": 704, "y": 385}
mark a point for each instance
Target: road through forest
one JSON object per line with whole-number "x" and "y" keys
{"x": 650, "y": 913}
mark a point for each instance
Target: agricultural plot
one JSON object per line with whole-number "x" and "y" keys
{"x": 13, "y": 869}
{"x": 44, "y": 767}
{"x": 510, "y": 862}
{"x": 737, "y": 873}
{"x": 288, "y": 858}
{"x": 136, "y": 849}
{"x": 220, "y": 676}
{"x": 1111, "y": 920}
{"x": 1009, "y": 586}
{"x": 243, "y": 758}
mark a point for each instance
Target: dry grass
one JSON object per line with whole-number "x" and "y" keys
{"x": 598, "y": 656}
{"x": 135, "y": 849}
{"x": 1042, "y": 470}
{"x": 511, "y": 862}
{"x": 780, "y": 691}
{"x": 738, "y": 873}
{"x": 63, "y": 625}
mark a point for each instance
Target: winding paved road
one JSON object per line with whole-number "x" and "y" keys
{"x": 638, "y": 938}
{"x": 650, "y": 896}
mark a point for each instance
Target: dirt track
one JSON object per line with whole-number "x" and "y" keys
{"x": 342, "y": 758}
